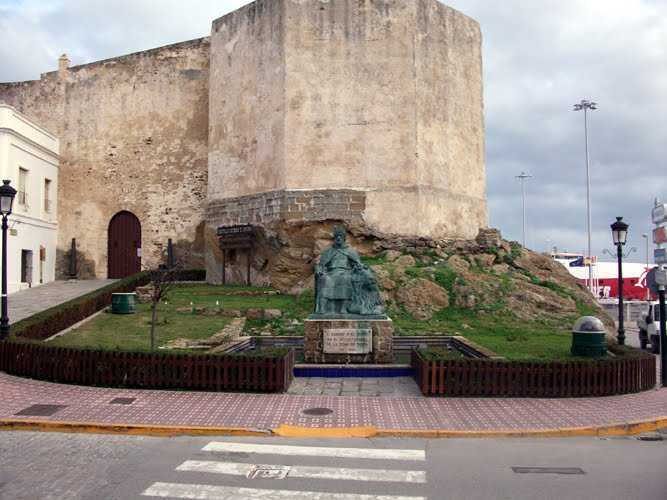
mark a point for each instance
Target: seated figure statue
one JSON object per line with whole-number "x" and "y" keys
{"x": 343, "y": 285}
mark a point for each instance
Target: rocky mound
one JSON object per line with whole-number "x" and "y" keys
{"x": 421, "y": 276}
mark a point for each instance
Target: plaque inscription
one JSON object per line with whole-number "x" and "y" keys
{"x": 347, "y": 340}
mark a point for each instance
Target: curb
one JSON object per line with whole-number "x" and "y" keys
{"x": 615, "y": 429}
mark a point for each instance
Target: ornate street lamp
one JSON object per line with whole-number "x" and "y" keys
{"x": 619, "y": 233}
{"x": 7, "y": 194}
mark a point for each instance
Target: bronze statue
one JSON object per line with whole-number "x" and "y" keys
{"x": 345, "y": 287}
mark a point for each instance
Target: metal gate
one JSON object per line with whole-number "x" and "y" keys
{"x": 124, "y": 245}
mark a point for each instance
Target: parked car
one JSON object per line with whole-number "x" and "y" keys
{"x": 649, "y": 327}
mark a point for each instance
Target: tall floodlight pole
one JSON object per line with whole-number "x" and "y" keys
{"x": 586, "y": 105}
{"x": 523, "y": 178}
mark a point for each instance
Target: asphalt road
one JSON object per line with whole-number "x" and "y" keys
{"x": 90, "y": 466}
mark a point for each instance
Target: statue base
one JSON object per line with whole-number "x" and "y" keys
{"x": 348, "y": 341}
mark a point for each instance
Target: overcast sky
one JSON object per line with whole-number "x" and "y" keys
{"x": 540, "y": 57}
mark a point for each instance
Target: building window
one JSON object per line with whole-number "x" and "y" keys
{"x": 47, "y": 195}
{"x": 23, "y": 179}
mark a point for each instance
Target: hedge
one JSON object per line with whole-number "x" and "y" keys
{"x": 44, "y": 324}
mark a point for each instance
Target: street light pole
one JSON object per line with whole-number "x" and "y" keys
{"x": 586, "y": 105}
{"x": 7, "y": 194}
{"x": 645, "y": 236}
{"x": 619, "y": 233}
{"x": 523, "y": 178}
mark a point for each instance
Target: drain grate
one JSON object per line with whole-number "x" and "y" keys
{"x": 548, "y": 470}
{"x": 650, "y": 436}
{"x": 316, "y": 412}
{"x": 122, "y": 401}
{"x": 40, "y": 410}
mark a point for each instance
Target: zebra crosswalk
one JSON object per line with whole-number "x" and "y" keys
{"x": 238, "y": 472}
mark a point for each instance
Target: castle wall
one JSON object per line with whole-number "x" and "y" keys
{"x": 450, "y": 122}
{"x": 246, "y": 103}
{"x": 367, "y": 111}
{"x": 350, "y": 94}
{"x": 134, "y": 133}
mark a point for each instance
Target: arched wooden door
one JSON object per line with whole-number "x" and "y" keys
{"x": 124, "y": 245}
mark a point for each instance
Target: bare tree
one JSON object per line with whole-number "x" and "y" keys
{"x": 163, "y": 280}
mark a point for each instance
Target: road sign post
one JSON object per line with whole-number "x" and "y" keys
{"x": 659, "y": 217}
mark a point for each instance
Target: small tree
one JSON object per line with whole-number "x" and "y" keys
{"x": 163, "y": 280}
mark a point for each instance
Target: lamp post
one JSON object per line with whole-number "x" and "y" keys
{"x": 7, "y": 194}
{"x": 619, "y": 233}
{"x": 523, "y": 178}
{"x": 648, "y": 296}
{"x": 586, "y": 105}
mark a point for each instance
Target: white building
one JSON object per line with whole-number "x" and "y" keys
{"x": 30, "y": 159}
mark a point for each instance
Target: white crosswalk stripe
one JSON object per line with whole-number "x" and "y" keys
{"x": 289, "y": 455}
{"x": 237, "y": 469}
{"x": 316, "y": 451}
{"x": 205, "y": 491}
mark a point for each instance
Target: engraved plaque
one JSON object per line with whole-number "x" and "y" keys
{"x": 347, "y": 340}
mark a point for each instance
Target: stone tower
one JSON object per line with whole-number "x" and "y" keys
{"x": 351, "y": 110}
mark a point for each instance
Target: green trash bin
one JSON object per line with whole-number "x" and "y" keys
{"x": 588, "y": 337}
{"x": 123, "y": 303}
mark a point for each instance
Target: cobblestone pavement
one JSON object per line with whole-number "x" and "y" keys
{"x": 33, "y": 300}
{"x": 388, "y": 387}
{"x": 54, "y": 466}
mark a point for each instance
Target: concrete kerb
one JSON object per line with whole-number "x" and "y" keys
{"x": 613, "y": 429}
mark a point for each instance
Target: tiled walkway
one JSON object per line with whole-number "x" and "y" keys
{"x": 387, "y": 387}
{"x": 33, "y": 300}
{"x": 266, "y": 411}
{"x": 388, "y": 404}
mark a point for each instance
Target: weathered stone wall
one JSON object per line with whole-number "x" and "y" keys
{"x": 381, "y": 347}
{"x": 292, "y": 111}
{"x": 450, "y": 123}
{"x": 262, "y": 208}
{"x": 134, "y": 134}
{"x": 41, "y": 100}
{"x": 386, "y": 96}
{"x": 246, "y": 104}
{"x": 383, "y": 98}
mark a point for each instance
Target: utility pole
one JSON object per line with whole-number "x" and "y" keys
{"x": 659, "y": 217}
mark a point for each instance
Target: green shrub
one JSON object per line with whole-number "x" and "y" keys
{"x": 440, "y": 354}
{"x": 43, "y": 325}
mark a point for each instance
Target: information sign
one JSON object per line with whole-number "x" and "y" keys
{"x": 235, "y": 230}
{"x": 660, "y": 235}
{"x": 659, "y": 214}
{"x": 347, "y": 340}
{"x": 661, "y": 277}
{"x": 660, "y": 255}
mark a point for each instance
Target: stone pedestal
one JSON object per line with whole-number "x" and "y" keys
{"x": 348, "y": 341}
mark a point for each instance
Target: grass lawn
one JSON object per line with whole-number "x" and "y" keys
{"x": 503, "y": 334}
{"x": 131, "y": 332}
